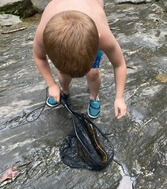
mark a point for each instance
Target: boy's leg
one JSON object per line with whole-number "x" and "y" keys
{"x": 94, "y": 82}
{"x": 64, "y": 82}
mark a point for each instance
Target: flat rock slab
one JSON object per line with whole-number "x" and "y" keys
{"x": 40, "y": 5}
{"x": 133, "y": 1}
{"x": 139, "y": 139}
{"x": 9, "y": 20}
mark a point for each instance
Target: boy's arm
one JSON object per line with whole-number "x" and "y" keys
{"x": 41, "y": 62}
{"x": 113, "y": 51}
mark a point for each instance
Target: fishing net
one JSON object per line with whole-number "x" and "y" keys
{"x": 86, "y": 146}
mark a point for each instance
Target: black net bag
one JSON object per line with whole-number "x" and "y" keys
{"x": 86, "y": 146}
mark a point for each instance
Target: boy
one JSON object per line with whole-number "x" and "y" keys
{"x": 73, "y": 34}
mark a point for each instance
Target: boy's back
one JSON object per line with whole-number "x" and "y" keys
{"x": 93, "y": 8}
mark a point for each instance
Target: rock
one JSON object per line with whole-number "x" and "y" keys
{"x": 7, "y": 2}
{"x": 40, "y": 5}
{"x": 125, "y": 183}
{"x": 164, "y": 4}
{"x": 139, "y": 139}
{"x": 133, "y": 1}
{"x": 23, "y": 8}
{"x": 9, "y": 20}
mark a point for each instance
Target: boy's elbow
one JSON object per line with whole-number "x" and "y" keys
{"x": 116, "y": 58}
{"x": 38, "y": 54}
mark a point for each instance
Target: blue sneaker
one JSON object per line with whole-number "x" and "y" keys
{"x": 52, "y": 103}
{"x": 93, "y": 110}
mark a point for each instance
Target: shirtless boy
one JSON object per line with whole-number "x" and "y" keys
{"x": 73, "y": 34}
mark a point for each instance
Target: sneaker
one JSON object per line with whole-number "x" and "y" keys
{"x": 52, "y": 103}
{"x": 93, "y": 110}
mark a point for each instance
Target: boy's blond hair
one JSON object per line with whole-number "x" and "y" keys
{"x": 71, "y": 41}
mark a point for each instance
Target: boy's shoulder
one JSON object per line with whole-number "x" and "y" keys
{"x": 57, "y": 6}
{"x": 93, "y": 8}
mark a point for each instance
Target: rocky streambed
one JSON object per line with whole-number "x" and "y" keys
{"x": 139, "y": 139}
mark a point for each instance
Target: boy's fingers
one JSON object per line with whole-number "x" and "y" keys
{"x": 57, "y": 99}
{"x": 121, "y": 114}
{"x": 116, "y": 112}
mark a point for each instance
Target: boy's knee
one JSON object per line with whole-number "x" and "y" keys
{"x": 93, "y": 74}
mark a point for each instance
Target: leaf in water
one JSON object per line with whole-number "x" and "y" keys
{"x": 162, "y": 77}
{"x": 10, "y": 173}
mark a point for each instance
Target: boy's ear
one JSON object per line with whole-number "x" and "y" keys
{"x": 99, "y": 35}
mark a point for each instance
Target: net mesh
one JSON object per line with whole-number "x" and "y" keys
{"x": 86, "y": 146}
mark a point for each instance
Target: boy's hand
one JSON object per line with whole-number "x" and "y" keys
{"x": 120, "y": 108}
{"x": 54, "y": 91}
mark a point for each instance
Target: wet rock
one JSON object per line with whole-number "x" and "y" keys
{"x": 133, "y": 1}
{"x": 9, "y": 20}
{"x": 139, "y": 139}
{"x": 40, "y": 5}
{"x": 8, "y": 2}
{"x": 126, "y": 183}
{"x": 23, "y": 8}
{"x": 164, "y": 4}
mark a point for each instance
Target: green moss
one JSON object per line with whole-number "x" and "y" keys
{"x": 23, "y": 9}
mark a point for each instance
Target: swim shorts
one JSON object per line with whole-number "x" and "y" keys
{"x": 96, "y": 63}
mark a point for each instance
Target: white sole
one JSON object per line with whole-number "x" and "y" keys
{"x": 51, "y": 106}
{"x": 93, "y": 117}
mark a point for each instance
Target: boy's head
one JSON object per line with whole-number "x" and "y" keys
{"x": 71, "y": 41}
